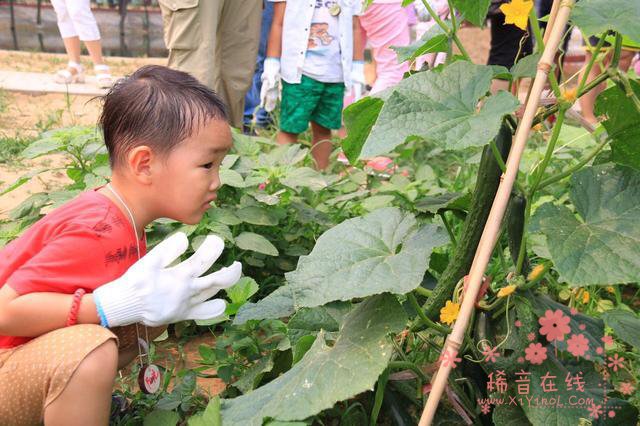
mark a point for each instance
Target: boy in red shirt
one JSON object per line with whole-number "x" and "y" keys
{"x": 76, "y": 273}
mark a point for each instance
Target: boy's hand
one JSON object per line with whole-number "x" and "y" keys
{"x": 270, "y": 91}
{"x": 155, "y": 294}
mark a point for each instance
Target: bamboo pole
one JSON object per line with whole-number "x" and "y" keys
{"x": 492, "y": 227}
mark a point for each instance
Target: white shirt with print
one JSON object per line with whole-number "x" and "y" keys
{"x": 322, "y": 60}
{"x": 297, "y": 30}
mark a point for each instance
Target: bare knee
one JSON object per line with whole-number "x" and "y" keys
{"x": 99, "y": 367}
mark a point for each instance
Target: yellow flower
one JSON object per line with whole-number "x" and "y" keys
{"x": 517, "y": 12}
{"x": 535, "y": 272}
{"x": 449, "y": 312}
{"x": 570, "y": 94}
{"x": 505, "y": 291}
{"x": 611, "y": 290}
{"x": 585, "y": 297}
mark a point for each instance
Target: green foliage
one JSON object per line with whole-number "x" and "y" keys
{"x": 440, "y": 107}
{"x": 621, "y": 121}
{"x": 600, "y": 247}
{"x": 326, "y": 374}
{"x": 593, "y": 17}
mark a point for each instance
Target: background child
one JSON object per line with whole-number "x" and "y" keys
{"x": 315, "y": 48}
{"x": 166, "y": 135}
{"x": 77, "y": 23}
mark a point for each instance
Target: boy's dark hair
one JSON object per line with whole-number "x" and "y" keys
{"x": 156, "y": 106}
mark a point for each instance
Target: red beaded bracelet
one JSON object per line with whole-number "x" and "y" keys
{"x": 72, "y": 319}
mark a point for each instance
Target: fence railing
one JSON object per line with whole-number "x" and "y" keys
{"x": 131, "y": 19}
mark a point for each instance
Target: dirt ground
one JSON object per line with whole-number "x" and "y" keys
{"x": 26, "y": 115}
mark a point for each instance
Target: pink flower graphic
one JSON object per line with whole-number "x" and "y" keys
{"x": 607, "y": 340}
{"x": 535, "y": 353}
{"x": 599, "y": 350}
{"x": 554, "y": 325}
{"x": 626, "y": 388}
{"x": 262, "y": 186}
{"x": 520, "y": 360}
{"x": 485, "y": 408}
{"x": 490, "y": 354}
{"x": 573, "y": 311}
{"x": 577, "y": 344}
{"x": 595, "y": 411}
{"x": 531, "y": 336}
{"x": 449, "y": 358}
{"x": 380, "y": 164}
{"x": 582, "y": 327}
{"x": 615, "y": 362}
{"x": 518, "y": 323}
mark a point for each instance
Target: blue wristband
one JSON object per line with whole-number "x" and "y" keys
{"x": 103, "y": 318}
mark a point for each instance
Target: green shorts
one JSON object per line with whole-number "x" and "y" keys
{"x": 311, "y": 100}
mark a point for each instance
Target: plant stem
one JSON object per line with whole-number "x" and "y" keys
{"x": 382, "y": 383}
{"x": 555, "y": 178}
{"x": 424, "y": 319}
{"x": 536, "y": 182}
{"x": 405, "y": 365}
{"x": 549, "y": 152}
{"x": 450, "y": 32}
{"x": 449, "y": 229}
{"x": 498, "y": 156}
{"x": 594, "y": 56}
{"x": 533, "y": 19}
{"x": 423, "y": 291}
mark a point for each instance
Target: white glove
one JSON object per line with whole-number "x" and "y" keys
{"x": 270, "y": 91}
{"x": 357, "y": 79}
{"x": 155, "y": 294}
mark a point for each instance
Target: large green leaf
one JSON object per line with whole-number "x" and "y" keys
{"x": 601, "y": 245}
{"x": 326, "y": 374}
{"x": 474, "y": 11}
{"x": 441, "y": 107}
{"x": 384, "y": 251}
{"x": 591, "y": 328}
{"x": 625, "y": 324}
{"x": 434, "y": 40}
{"x": 594, "y": 17}
{"x": 622, "y": 118}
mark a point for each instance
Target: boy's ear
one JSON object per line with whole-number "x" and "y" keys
{"x": 139, "y": 161}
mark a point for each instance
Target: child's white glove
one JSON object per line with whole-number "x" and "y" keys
{"x": 270, "y": 91}
{"x": 357, "y": 79}
{"x": 155, "y": 294}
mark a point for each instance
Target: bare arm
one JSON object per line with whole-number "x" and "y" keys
{"x": 274, "y": 43}
{"x": 358, "y": 46}
{"x": 35, "y": 314}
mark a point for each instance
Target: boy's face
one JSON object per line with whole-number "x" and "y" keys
{"x": 188, "y": 180}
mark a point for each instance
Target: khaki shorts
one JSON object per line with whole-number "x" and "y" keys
{"x": 34, "y": 374}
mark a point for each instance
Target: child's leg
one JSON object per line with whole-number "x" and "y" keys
{"x": 88, "y": 392}
{"x": 85, "y": 24}
{"x": 67, "y": 30}
{"x": 284, "y": 138}
{"x": 321, "y": 145}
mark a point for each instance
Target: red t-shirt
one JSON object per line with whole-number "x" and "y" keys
{"x": 85, "y": 243}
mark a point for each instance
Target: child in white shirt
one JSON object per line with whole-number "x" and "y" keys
{"x": 316, "y": 51}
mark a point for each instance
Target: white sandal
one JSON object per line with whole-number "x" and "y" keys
{"x": 65, "y": 76}
{"x": 103, "y": 76}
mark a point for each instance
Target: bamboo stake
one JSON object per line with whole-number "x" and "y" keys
{"x": 492, "y": 227}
